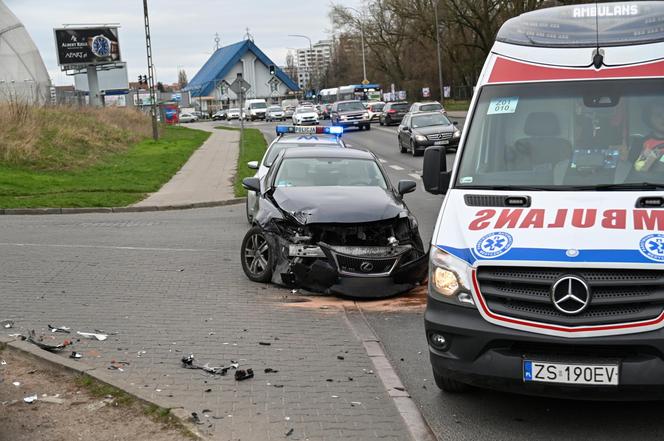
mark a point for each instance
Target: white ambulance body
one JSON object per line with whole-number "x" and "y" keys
{"x": 547, "y": 260}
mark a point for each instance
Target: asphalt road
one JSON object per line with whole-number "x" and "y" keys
{"x": 481, "y": 414}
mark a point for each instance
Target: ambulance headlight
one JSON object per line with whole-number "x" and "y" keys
{"x": 449, "y": 279}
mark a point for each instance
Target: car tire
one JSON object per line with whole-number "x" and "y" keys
{"x": 380, "y": 121}
{"x": 255, "y": 268}
{"x": 367, "y": 127}
{"x": 449, "y": 385}
{"x": 413, "y": 150}
{"x": 401, "y": 147}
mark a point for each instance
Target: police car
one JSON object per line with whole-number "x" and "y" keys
{"x": 288, "y": 137}
{"x": 547, "y": 259}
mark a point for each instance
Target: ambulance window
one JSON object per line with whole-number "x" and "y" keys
{"x": 571, "y": 134}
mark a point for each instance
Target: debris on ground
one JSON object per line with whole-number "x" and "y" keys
{"x": 30, "y": 399}
{"x": 270, "y": 371}
{"x": 55, "y": 399}
{"x": 92, "y": 336}
{"x": 264, "y": 343}
{"x": 7, "y": 324}
{"x": 188, "y": 363}
{"x": 16, "y": 383}
{"x": 340, "y": 357}
{"x": 62, "y": 329}
{"x": 241, "y": 374}
{"x": 76, "y": 355}
{"x": 290, "y": 432}
{"x": 32, "y": 338}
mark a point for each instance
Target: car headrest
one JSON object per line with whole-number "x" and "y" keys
{"x": 542, "y": 124}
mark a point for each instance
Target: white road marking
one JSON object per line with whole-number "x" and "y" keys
{"x": 396, "y": 167}
{"x": 416, "y": 176}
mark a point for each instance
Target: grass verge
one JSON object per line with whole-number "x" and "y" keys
{"x": 252, "y": 149}
{"x": 456, "y": 105}
{"x": 116, "y": 179}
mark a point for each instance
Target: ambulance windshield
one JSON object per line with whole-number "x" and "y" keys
{"x": 566, "y": 135}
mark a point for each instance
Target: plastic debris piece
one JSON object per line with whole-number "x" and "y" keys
{"x": 32, "y": 338}
{"x": 329, "y": 380}
{"x": 188, "y": 363}
{"x": 264, "y": 343}
{"x": 241, "y": 375}
{"x": 76, "y": 355}
{"x": 30, "y": 399}
{"x": 7, "y": 324}
{"x": 62, "y": 329}
{"x": 101, "y": 331}
{"x": 16, "y": 383}
{"x": 340, "y": 357}
{"x": 279, "y": 386}
{"x": 270, "y": 371}
{"x": 355, "y": 403}
{"x": 208, "y": 390}
{"x": 399, "y": 388}
{"x": 3, "y": 363}
{"x": 92, "y": 336}
{"x": 287, "y": 418}
{"x": 14, "y": 335}
{"x": 52, "y": 400}
{"x": 195, "y": 419}
{"x": 290, "y": 432}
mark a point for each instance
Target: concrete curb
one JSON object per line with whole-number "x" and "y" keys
{"x": 412, "y": 417}
{"x": 131, "y": 209}
{"x": 80, "y": 368}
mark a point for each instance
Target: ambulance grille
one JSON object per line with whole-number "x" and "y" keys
{"x": 618, "y": 295}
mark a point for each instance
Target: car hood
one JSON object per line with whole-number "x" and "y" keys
{"x": 338, "y": 204}
{"x": 430, "y": 130}
{"x": 559, "y": 228}
{"x": 306, "y": 114}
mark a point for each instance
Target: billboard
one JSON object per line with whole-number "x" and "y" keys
{"x": 79, "y": 47}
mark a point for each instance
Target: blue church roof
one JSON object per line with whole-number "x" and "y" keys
{"x": 223, "y": 60}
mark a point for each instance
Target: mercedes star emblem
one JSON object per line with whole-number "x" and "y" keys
{"x": 570, "y": 295}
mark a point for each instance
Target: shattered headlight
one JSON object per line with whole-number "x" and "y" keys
{"x": 448, "y": 279}
{"x": 457, "y": 134}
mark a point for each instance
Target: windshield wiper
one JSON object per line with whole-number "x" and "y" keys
{"x": 516, "y": 187}
{"x": 623, "y": 186}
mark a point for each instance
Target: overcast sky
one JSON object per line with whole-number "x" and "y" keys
{"x": 182, "y": 30}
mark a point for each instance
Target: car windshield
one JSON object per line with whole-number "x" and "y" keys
{"x": 274, "y": 109}
{"x": 377, "y": 107}
{"x": 277, "y": 147}
{"x": 430, "y": 107}
{"x": 329, "y": 172}
{"x": 349, "y": 107}
{"x": 568, "y": 135}
{"x": 258, "y": 105}
{"x": 305, "y": 110}
{"x": 436, "y": 119}
{"x": 401, "y": 106}
{"x": 233, "y": 110}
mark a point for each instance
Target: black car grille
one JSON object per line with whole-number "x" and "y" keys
{"x": 365, "y": 266}
{"x": 618, "y": 295}
{"x": 354, "y": 117}
{"x": 439, "y": 136}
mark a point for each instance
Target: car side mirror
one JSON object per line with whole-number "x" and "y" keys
{"x": 436, "y": 178}
{"x": 406, "y": 186}
{"x": 253, "y": 165}
{"x": 455, "y": 123}
{"x": 253, "y": 184}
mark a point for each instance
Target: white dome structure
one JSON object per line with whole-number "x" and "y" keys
{"x": 23, "y": 74}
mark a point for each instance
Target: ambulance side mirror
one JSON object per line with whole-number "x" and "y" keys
{"x": 435, "y": 176}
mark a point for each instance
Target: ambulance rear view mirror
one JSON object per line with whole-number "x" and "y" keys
{"x": 435, "y": 176}
{"x": 601, "y": 100}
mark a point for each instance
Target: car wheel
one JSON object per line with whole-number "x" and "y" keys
{"x": 402, "y": 149}
{"x": 367, "y": 127}
{"x": 380, "y": 121}
{"x": 413, "y": 150}
{"x": 257, "y": 255}
{"x": 449, "y": 385}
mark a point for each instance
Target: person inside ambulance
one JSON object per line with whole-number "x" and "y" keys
{"x": 651, "y": 158}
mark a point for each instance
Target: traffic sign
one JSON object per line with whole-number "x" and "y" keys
{"x": 365, "y": 81}
{"x": 240, "y": 86}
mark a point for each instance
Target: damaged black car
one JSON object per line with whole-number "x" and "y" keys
{"x": 329, "y": 220}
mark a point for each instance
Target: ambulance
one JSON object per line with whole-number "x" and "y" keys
{"x": 547, "y": 261}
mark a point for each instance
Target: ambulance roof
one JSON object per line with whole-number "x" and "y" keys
{"x": 609, "y": 24}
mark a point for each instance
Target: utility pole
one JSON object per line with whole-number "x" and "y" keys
{"x": 153, "y": 97}
{"x": 440, "y": 61}
{"x": 364, "y": 59}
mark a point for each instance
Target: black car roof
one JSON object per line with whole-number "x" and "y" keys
{"x": 327, "y": 152}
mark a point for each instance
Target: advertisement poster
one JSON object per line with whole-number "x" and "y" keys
{"x": 87, "y": 46}
{"x": 426, "y": 92}
{"x": 169, "y": 112}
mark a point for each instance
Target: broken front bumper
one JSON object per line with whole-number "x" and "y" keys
{"x": 354, "y": 271}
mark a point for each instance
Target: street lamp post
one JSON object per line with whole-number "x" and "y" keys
{"x": 364, "y": 59}
{"x": 311, "y": 54}
{"x": 440, "y": 61}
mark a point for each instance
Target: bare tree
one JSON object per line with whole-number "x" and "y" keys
{"x": 182, "y": 79}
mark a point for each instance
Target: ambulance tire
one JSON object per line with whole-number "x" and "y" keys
{"x": 449, "y": 385}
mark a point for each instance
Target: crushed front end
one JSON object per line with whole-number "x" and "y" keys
{"x": 371, "y": 259}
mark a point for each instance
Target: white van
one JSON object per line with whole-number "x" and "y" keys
{"x": 547, "y": 259}
{"x": 255, "y": 109}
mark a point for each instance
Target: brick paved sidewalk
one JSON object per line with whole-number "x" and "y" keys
{"x": 170, "y": 284}
{"x": 207, "y": 176}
